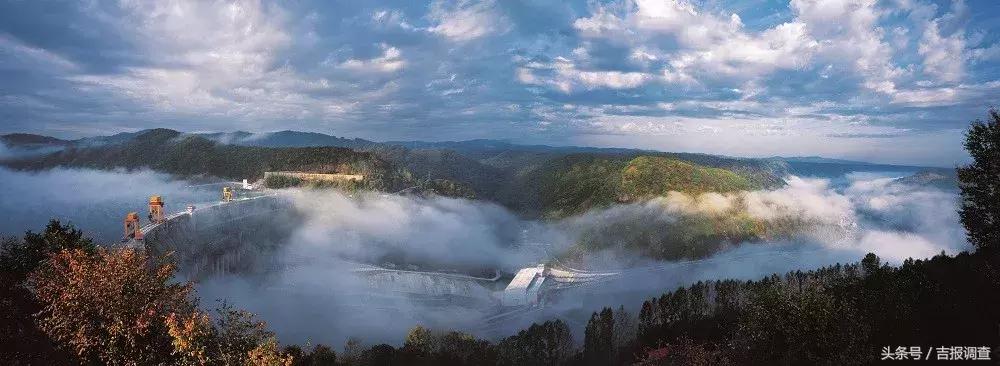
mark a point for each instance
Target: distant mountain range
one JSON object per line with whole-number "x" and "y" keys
{"x": 288, "y": 138}
{"x": 816, "y": 159}
{"x": 533, "y": 179}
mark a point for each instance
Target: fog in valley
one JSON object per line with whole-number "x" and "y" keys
{"x": 316, "y": 295}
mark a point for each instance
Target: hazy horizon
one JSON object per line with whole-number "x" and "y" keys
{"x": 861, "y": 159}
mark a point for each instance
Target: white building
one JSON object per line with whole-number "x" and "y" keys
{"x": 526, "y": 287}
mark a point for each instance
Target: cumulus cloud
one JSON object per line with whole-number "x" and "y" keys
{"x": 709, "y": 45}
{"x": 566, "y": 76}
{"x": 944, "y": 55}
{"x": 714, "y": 49}
{"x": 212, "y": 47}
{"x": 465, "y": 20}
{"x": 391, "y": 60}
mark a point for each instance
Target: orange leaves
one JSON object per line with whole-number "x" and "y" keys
{"x": 267, "y": 354}
{"x": 121, "y": 307}
{"x": 192, "y": 335}
{"x": 109, "y": 306}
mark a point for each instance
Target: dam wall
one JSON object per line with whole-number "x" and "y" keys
{"x": 230, "y": 237}
{"x": 245, "y": 237}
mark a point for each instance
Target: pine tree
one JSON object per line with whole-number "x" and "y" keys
{"x": 599, "y": 338}
{"x": 980, "y": 183}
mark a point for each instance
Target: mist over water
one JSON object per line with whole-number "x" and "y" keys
{"x": 442, "y": 232}
{"x": 93, "y": 200}
{"x": 317, "y": 296}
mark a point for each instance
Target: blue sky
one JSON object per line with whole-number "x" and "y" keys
{"x": 888, "y": 81}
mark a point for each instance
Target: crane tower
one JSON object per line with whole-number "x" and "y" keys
{"x": 156, "y": 209}
{"x": 133, "y": 229}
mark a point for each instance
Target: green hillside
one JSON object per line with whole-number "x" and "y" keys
{"x": 647, "y": 176}
{"x": 576, "y": 183}
{"x": 188, "y": 155}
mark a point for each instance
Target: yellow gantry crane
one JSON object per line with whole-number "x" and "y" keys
{"x": 133, "y": 229}
{"x": 156, "y": 209}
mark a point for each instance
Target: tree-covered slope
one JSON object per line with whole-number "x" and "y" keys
{"x": 576, "y": 183}
{"x": 648, "y": 176}
{"x": 187, "y": 155}
{"x": 30, "y": 140}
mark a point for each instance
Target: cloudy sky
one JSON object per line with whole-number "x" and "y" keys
{"x": 888, "y": 81}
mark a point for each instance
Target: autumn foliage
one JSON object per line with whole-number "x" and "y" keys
{"x": 121, "y": 307}
{"x": 109, "y": 307}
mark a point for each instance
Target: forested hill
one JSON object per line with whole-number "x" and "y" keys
{"x": 188, "y": 155}
{"x": 31, "y": 140}
{"x": 576, "y": 183}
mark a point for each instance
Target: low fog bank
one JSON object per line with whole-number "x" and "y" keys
{"x": 429, "y": 233}
{"x": 870, "y": 214}
{"x": 95, "y": 201}
{"x": 318, "y": 296}
{"x": 834, "y": 224}
{"x": 326, "y": 303}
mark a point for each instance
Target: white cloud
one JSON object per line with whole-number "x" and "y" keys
{"x": 708, "y": 44}
{"x": 849, "y": 34}
{"x": 944, "y": 56}
{"x": 392, "y": 18}
{"x": 711, "y": 46}
{"x": 390, "y": 61}
{"x": 465, "y": 20}
{"x": 218, "y": 57}
{"x": 601, "y": 24}
{"x": 565, "y": 76}
{"x": 227, "y": 60}
{"x": 984, "y": 54}
{"x": 925, "y": 97}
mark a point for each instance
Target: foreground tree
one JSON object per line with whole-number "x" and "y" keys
{"x": 21, "y": 342}
{"x": 683, "y": 352}
{"x": 120, "y": 307}
{"x": 18, "y": 258}
{"x": 427, "y": 347}
{"x": 242, "y": 339}
{"x": 980, "y": 183}
{"x": 236, "y": 338}
{"x": 549, "y": 343}
{"x": 109, "y": 307}
{"x": 598, "y": 342}
{"x": 320, "y": 355}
